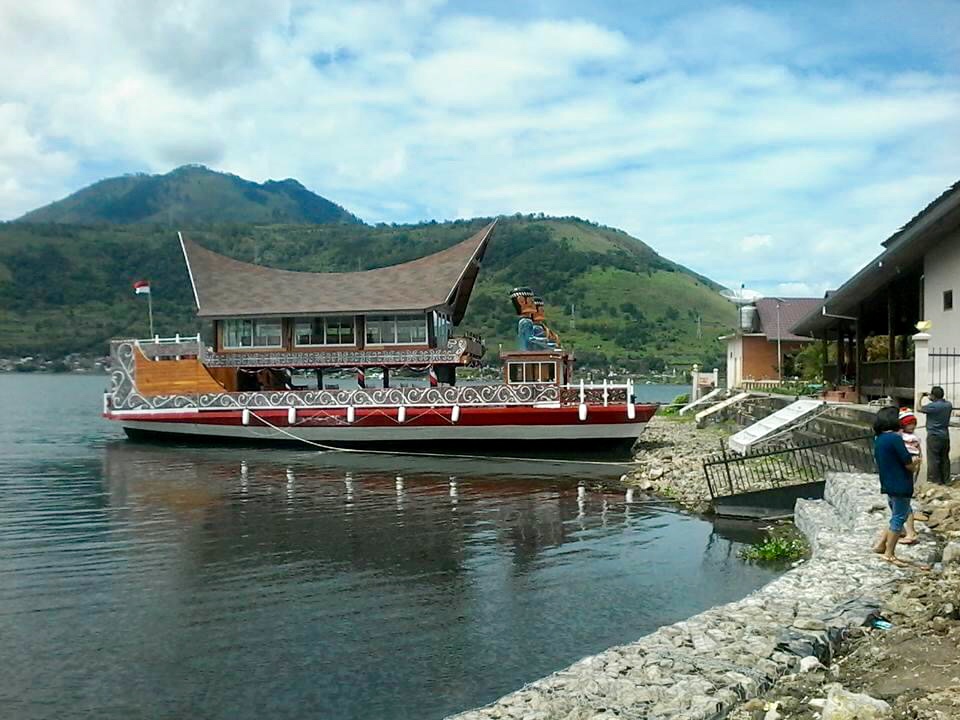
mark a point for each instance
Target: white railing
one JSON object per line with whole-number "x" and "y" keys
{"x": 593, "y": 392}
{"x": 171, "y": 347}
{"x": 178, "y": 338}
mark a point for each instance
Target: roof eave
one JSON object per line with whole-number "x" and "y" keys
{"x": 903, "y": 248}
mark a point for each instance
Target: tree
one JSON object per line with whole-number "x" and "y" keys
{"x": 809, "y": 362}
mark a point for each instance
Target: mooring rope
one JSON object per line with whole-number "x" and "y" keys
{"x": 333, "y": 448}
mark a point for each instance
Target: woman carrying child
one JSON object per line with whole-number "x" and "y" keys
{"x": 896, "y": 467}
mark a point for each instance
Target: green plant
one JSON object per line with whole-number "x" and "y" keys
{"x": 674, "y": 407}
{"x": 776, "y": 547}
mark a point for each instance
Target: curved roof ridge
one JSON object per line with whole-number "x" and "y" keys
{"x": 227, "y": 287}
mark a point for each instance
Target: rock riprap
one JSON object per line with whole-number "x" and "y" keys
{"x": 669, "y": 460}
{"x": 702, "y": 667}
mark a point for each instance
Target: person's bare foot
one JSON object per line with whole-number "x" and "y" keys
{"x": 880, "y": 549}
{"x": 904, "y": 564}
{"x": 909, "y": 540}
{"x": 894, "y": 560}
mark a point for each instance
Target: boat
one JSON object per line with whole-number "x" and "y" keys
{"x": 242, "y": 378}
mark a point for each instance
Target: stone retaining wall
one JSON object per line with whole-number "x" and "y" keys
{"x": 701, "y": 668}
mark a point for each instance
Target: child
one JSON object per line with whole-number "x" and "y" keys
{"x": 908, "y": 423}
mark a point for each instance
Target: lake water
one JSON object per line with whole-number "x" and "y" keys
{"x": 145, "y": 581}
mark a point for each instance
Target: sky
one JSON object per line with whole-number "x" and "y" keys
{"x": 770, "y": 144}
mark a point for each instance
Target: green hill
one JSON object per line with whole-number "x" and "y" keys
{"x": 189, "y": 195}
{"x": 67, "y": 288}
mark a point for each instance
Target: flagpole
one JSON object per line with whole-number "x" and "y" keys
{"x": 150, "y": 312}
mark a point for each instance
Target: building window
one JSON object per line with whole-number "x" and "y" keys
{"x": 532, "y": 372}
{"x": 396, "y": 329}
{"x": 258, "y": 333}
{"x": 337, "y": 330}
{"x": 948, "y": 300}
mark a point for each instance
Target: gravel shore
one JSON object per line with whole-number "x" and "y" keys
{"x": 909, "y": 670}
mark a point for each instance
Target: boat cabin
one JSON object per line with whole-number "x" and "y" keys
{"x": 525, "y": 367}
{"x": 266, "y": 321}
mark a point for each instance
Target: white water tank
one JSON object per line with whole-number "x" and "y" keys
{"x": 749, "y": 321}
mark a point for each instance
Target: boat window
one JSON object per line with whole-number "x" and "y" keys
{"x": 396, "y": 329}
{"x": 379, "y": 330}
{"x": 548, "y": 372}
{"x": 411, "y": 329}
{"x": 336, "y": 330}
{"x": 531, "y": 372}
{"x": 258, "y": 333}
{"x": 340, "y": 331}
{"x": 442, "y": 324}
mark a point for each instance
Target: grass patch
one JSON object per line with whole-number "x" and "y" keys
{"x": 782, "y": 544}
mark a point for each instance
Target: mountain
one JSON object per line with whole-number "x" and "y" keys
{"x": 66, "y": 288}
{"x": 187, "y": 196}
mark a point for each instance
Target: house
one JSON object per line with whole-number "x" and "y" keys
{"x": 764, "y": 346}
{"x": 870, "y": 323}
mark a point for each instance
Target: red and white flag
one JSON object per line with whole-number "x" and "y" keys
{"x": 142, "y": 287}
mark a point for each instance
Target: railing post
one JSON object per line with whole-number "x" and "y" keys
{"x": 606, "y": 394}
{"x": 582, "y": 395}
{"x": 921, "y": 371}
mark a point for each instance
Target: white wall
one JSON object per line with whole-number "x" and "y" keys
{"x": 734, "y": 361}
{"x": 941, "y": 271}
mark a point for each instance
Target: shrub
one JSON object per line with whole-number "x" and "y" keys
{"x": 674, "y": 407}
{"x": 776, "y": 547}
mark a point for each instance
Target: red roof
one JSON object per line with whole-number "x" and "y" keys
{"x": 792, "y": 311}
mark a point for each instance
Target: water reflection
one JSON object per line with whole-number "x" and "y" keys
{"x": 174, "y": 581}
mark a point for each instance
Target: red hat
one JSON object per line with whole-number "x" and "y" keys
{"x": 907, "y": 417}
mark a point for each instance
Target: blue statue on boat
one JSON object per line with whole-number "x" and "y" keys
{"x": 532, "y": 332}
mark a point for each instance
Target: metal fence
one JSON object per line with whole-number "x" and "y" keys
{"x": 945, "y": 372}
{"x": 728, "y": 473}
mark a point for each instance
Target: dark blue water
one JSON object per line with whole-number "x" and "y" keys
{"x": 158, "y": 582}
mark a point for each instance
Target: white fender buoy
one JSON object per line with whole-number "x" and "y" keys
{"x": 455, "y": 414}
{"x": 245, "y": 417}
{"x": 631, "y": 411}
{"x": 291, "y": 416}
{"x": 582, "y": 412}
{"x": 581, "y": 491}
{"x": 401, "y": 414}
{"x": 629, "y": 495}
{"x": 351, "y": 414}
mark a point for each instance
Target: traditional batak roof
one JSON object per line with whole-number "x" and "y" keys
{"x": 228, "y": 288}
{"x": 792, "y": 310}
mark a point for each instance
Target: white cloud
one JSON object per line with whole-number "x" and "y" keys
{"x": 755, "y": 242}
{"x": 690, "y": 131}
{"x": 797, "y": 289}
